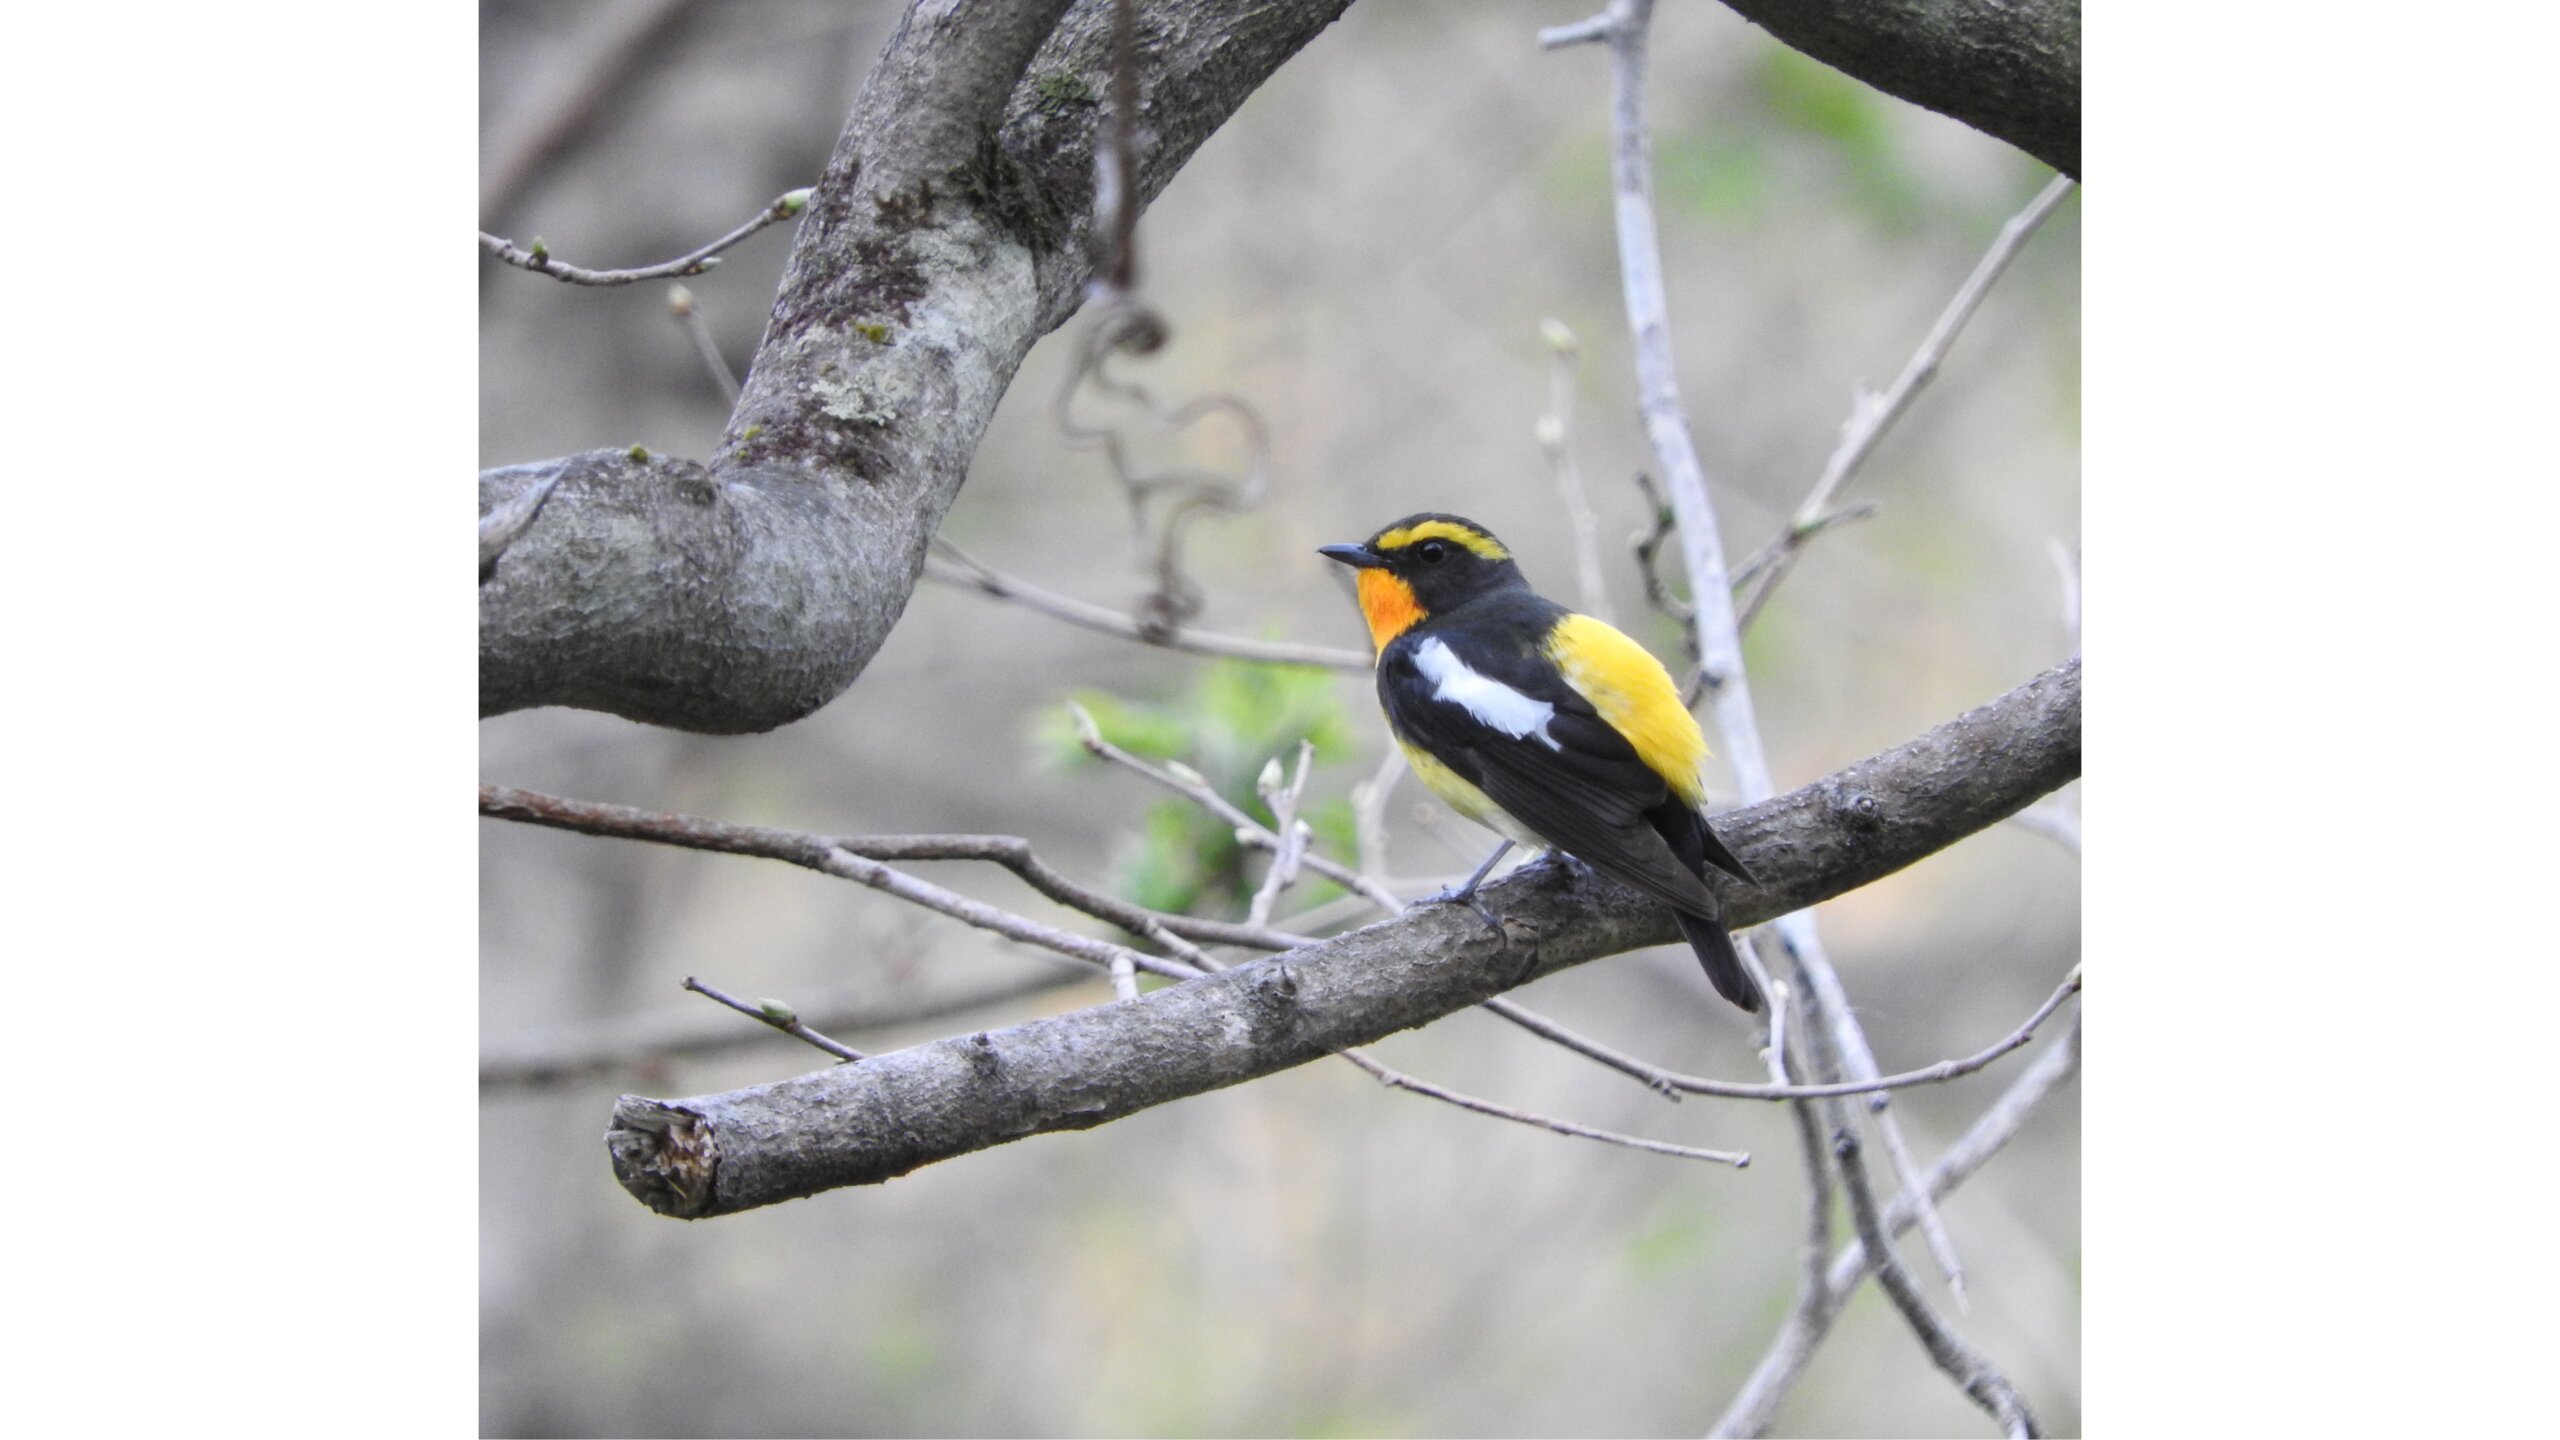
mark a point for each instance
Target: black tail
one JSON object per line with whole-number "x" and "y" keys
{"x": 1724, "y": 963}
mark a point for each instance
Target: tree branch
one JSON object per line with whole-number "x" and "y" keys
{"x": 945, "y": 236}
{"x": 2009, "y": 68}
{"x": 863, "y": 1124}
{"x": 1828, "y": 1287}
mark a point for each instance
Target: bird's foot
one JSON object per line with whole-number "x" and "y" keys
{"x": 1464, "y": 895}
{"x": 1570, "y": 866}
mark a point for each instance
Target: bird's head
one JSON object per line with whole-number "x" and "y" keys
{"x": 1421, "y": 566}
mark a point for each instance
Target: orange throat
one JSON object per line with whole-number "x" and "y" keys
{"x": 1387, "y": 603}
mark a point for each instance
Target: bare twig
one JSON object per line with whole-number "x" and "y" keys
{"x": 1810, "y": 1318}
{"x": 538, "y": 258}
{"x": 1648, "y": 547}
{"x": 1401, "y": 1081}
{"x": 1555, "y": 436}
{"x": 1188, "y": 783}
{"x": 1654, "y": 1076}
{"x": 1767, "y": 555}
{"x": 1162, "y": 502}
{"x": 688, "y": 318}
{"x": 1819, "y": 1305}
{"x": 777, "y": 1014}
{"x": 914, "y": 891}
{"x": 1293, "y": 834}
{"x": 837, "y": 857}
{"x": 1871, "y": 415}
{"x": 574, "y": 1052}
{"x": 1993, "y": 1129}
{"x": 1369, "y": 812}
{"x": 1717, "y": 626}
{"x": 1249, "y": 831}
{"x": 952, "y": 567}
{"x": 1973, "y": 1372}
{"x": 1937, "y": 1074}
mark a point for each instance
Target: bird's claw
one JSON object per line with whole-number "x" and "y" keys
{"x": 1464, "y": 895}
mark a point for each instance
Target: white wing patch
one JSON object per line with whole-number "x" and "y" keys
{"x": 1480, "y": 695}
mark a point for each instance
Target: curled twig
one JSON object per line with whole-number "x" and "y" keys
{"x": 1162, "y": 502}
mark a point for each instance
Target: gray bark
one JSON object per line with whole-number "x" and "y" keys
{"x": 2009, "y": 68}
{"x": 946, "y": 236}
{"x": 865, "y": 1123}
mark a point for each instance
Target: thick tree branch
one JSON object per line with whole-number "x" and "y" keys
{"x": 870, "y": 1122}
{"x": 2009, "y": 68}
{"x": 945, "y": 236}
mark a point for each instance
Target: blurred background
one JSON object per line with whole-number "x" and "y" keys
{"x": 1366, "y": 258}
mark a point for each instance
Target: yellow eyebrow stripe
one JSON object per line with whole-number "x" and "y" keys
{"x": 1475, "y": 540}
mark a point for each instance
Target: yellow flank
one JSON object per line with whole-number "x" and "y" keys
{"x": 1635, "y": 695}
{"x": 1473, "y": 539}
{"x": 1387, "y": 603}
{"x": 1466, "y": 799}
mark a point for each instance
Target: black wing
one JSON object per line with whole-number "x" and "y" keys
{"x": 1571, "y": 779}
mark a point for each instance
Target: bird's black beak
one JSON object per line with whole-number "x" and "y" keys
{"x": 1355, "y": 556}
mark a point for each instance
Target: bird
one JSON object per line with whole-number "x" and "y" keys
{"x": 1550, "y": 728}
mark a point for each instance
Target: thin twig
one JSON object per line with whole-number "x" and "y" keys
{"x": 1792, "y": 1347}
{"x": 1993, "y": 1129}
{"x": 1767, "y": 555}
{"x": 1654, "y": 1076}
{"x": 1401, "y": 1081}
{"x": 893, "y": 881}
{"x": 837, "y": 856}
{"x": 1250, "y": 831}
{"x": 1810, "y": 1318}
{"x": 952, "y": 567}
{"x": 778, "y": 1015}
{"x": 573, "y": 1052}
{"x": 688, "y": 318}
{"x": 1369, "y": 812}
{"x": 1648, "y": 547}
{"x": 538, "y": 258}
{"x": 1293, "y": 833}
{"x": 1397, "y": 1079}
{"x": 1162, "y": 502}
{"x": 1871, "y": 415}
{"x": 1717, "y": 627}
{"x": 809, "y": 851}
{"x": 1973, "y": 1372}
{"x": 1189, "y": 784}
{"x": 1555, "y": 436}
{"x": 1937, "y": 1074}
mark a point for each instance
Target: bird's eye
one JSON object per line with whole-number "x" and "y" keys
{"x": 1431, "y": 552}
